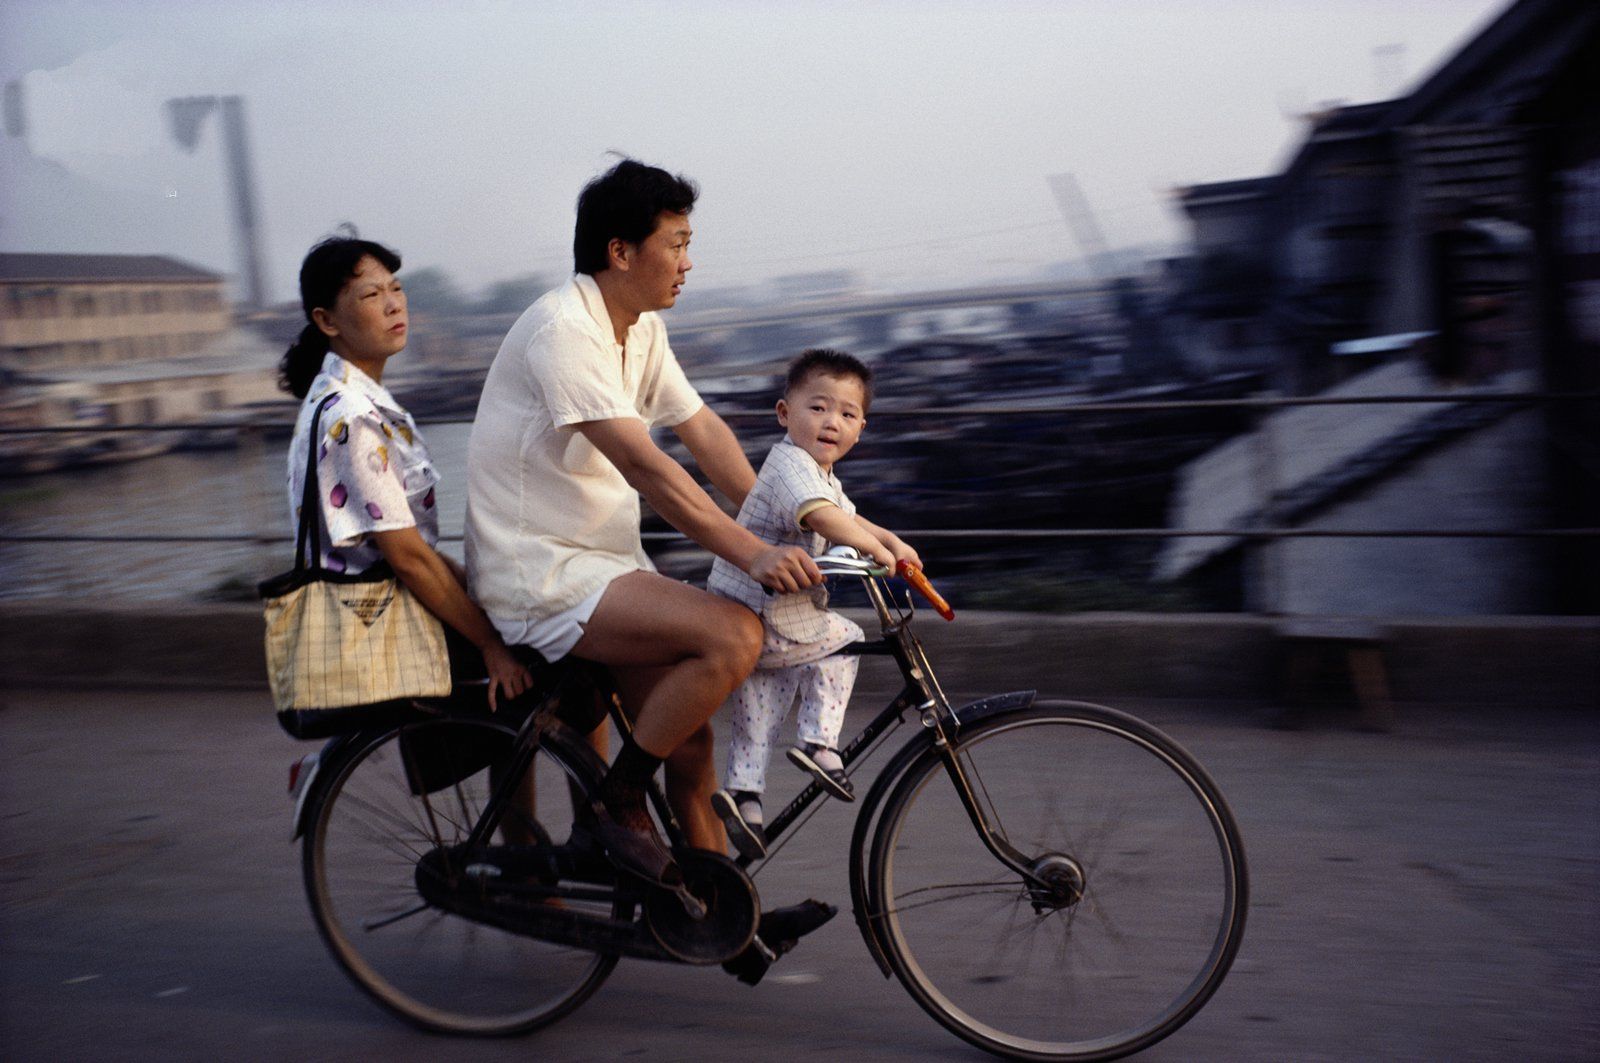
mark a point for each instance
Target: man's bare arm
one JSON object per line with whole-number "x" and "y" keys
{"x": 672, "y": 492}
{"x": 716, "y": 450}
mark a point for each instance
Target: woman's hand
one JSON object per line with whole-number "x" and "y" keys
{"x": 505, "y": 673}
{"x": 436, "y": 582}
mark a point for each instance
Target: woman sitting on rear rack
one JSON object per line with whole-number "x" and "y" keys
{"x": 373, "y": 471}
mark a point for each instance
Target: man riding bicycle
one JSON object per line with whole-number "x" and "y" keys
{"x": 560, "y": 454}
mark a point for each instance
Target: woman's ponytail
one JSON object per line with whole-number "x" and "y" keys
{"x": 302, "y": 361}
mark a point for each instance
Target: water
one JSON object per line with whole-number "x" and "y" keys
{"x": 234, "y": 492}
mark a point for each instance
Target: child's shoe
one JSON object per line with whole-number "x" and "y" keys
{"x": 741, "y": 814}
{"x": 825, "y": 766}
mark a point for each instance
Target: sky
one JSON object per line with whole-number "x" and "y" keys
{"x": 907, "y": 140}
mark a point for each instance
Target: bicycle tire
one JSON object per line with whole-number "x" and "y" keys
{"x": 1149, "y": 873}
{"x": 368, "y": 829}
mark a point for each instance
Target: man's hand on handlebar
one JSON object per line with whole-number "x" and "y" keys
{"x": 785, "y": 569}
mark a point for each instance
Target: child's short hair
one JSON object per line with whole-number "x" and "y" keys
{"x": 829, "y": 363}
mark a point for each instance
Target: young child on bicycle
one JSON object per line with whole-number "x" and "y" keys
{"x": 797, "y": 500}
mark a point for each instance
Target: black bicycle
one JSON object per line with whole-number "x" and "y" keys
{"x": 1048, "y": 879}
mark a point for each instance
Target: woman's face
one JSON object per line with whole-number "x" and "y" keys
{"x": 367, "y": 322}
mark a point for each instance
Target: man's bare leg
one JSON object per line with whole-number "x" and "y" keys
{"x": 648, "y": 620}
{"x": 690, "y": 771}
{"x": 677, "y": 653}
{"x": 691, "y": 780}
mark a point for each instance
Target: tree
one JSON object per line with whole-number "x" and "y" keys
{"x": 513, "y": 295}
{"x": 432, "y": 291}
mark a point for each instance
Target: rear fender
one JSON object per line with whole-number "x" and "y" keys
{"x": 307, "y": 782}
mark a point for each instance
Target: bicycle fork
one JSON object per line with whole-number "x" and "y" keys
{"x": 1054, "y": 880}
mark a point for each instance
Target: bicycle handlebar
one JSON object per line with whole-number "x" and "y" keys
{"x": 846, "y": 561}
{"x": 913, "y": 575}
{"x": 848, "y": 564}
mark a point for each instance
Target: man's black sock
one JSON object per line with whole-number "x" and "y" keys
{"x": 622, "y": 790}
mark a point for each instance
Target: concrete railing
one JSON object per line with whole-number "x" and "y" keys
{"x": 1515, "y": 662}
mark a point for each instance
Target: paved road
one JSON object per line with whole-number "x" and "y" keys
{"x": 1428, "y": 894}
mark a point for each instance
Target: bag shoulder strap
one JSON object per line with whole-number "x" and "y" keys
{"x": 311, "y": 497}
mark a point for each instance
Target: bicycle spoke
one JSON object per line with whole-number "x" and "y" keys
{"x": 401, "y": 852}
{"x": 379, "y": 924}
{"x": 974, "y": 889}
{"x": 388, "y": 818}
{"x": 397, "y": 845}
{"x": 412, "y": 771}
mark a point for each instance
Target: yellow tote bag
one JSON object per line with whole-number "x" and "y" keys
{"x": 336, "y": 640}
{"x": 333, "y": 644}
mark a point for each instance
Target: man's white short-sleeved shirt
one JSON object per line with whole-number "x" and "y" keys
{"x": 549, "y": 519}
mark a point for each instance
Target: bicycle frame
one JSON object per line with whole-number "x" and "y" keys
{"x": 526, "y": 745}
{"x": 921, "y": 692}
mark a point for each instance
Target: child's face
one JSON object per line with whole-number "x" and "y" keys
{"x": 825, "y": 415}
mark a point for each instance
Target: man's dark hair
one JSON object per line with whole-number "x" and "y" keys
{"x": 822, "y": 360}
{"x": 623, "y": 204}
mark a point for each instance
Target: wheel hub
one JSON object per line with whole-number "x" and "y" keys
{"x": 1058, "y": 882}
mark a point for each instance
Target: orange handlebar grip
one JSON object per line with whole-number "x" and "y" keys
{"x": 913, "y": 575}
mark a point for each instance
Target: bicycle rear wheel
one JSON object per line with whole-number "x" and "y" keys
{"x": 1141, "y": 904}
{"x": 405, "y": 794}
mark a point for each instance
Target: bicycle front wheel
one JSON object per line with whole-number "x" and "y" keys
{"x": 1129, "y": 914}
{"x": 416, "y": 791}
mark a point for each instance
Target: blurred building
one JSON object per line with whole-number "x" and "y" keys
{"x": 1449, "y": 242}
{"x": 95, "y": 341}
{"x": 64, "y": 312}
{"x": 1221, "y": 290}
{"x": 815, "y": 284}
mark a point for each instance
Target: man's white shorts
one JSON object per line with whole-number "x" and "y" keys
{"x": 554, "y": 636}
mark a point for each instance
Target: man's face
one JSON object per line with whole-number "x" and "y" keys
{"x": 825, "y": 415}
{"x": 658, "y": 265}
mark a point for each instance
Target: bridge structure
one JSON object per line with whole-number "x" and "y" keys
{"x": 877, "y": 311}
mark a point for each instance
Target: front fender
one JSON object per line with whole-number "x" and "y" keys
{"x": 869, "y": 911}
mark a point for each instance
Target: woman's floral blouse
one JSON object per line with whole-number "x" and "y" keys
{"x": 373, "y": 469}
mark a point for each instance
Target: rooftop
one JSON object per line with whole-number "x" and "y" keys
{"x": 78, "y": 269}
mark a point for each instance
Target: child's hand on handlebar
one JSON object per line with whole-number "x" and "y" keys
{"x": 785, "y": 569}
{"x": 903, "y": 552}
{"x": 881, "y": 555}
